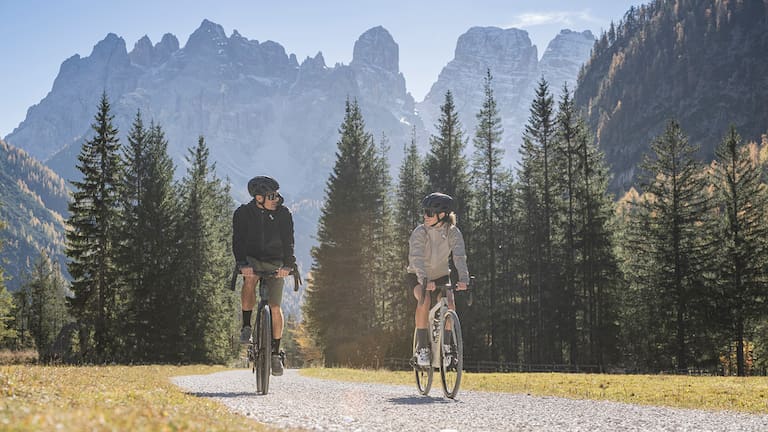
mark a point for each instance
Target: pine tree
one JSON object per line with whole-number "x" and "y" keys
{"x": 486, "y": 176}
{"x": 338, "y": 303}
{"x": 46, "y": 287}
{"x": 445, "y": 164}
{"x": 7, "y": 330}
{"x": 742, "y": 232}
{"x": 91, "y": 241}
{"x": 205, "y": 319}
{"x": 540, "y": 206}
{"x": 411, "y": 189}
{"x": 676, "y": 206}
{"x": 596, "y": 262}
{"x": 148, "y": 240}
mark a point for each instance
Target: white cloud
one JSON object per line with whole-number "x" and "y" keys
{"x": 562, "y": 18}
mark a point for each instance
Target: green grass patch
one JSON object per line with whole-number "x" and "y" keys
{"x": 94, "y": 398}
{"x": 710, "y": 393}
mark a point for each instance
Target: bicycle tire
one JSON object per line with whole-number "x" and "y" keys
{"x": 263, "y": 349}
{"x": 452, "y": 362}
{"x": 423, "y": 375}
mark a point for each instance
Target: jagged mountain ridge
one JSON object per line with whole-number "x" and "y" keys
{"x": 32, "y": 201}
{"x": 259, "y": 109}
{"x": 701, "y": 62}
{"x": 515, "y": 67}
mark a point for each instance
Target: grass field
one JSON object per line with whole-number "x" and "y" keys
{"x": 119, "y": 398}
{"x": 141, "y": 398}
{"x": 710, "y": 393}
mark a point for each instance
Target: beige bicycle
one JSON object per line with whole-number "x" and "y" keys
{"x": 450, "y": 350}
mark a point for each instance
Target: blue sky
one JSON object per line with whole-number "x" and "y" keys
{"x": 36, "y": 36}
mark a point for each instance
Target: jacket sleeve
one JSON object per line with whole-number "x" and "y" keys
{"x": 417, "y": 247}
{"x": 456, "y": 241}
{"x": 239, "y": 232}
{"x": 287, "y": 238}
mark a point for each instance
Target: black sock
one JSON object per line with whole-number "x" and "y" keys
{"x": 422, "y": 338}
{"x": 275, "y": 346}
{"x": 247, "y": 318}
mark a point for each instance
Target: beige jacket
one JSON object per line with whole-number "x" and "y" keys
{"x": 429, "y": 249}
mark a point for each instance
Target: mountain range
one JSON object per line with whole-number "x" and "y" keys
{"x": 262, "y": 111}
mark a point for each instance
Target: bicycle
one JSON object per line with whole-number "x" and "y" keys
{"x": 450, "y": 360}
{"x": 259, "y": 352}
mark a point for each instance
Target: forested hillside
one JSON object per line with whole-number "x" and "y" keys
{"x": 33, "y": 200}
{"x": 702, "y": 62}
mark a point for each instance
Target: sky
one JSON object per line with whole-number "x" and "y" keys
{"x": 36, "y": 36}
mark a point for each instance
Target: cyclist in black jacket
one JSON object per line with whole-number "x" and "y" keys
{"x": 262, "y": 240}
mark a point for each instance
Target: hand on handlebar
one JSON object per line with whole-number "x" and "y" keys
{"x": 431, "y": 286}
{"x": 283, "y": 272}
{"x": 246, "y": 271}
{"x": 461, "y": 286}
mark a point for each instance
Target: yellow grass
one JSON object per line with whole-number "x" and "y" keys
{"x": 709, "y": 393}
{"x": 119, "y": 398}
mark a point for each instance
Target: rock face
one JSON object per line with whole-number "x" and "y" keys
{"x": 257, "y": 107}
{"x": 514, "y": 65}
{"x": 263, "y": 112}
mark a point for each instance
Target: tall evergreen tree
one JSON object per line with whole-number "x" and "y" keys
{"x": 7, "y": 330}
{"x": 46, "y": 287}
{"x": 677, "y": 260}
{"x": 91, "y": 241}
{"x": 148, "y": 241}
{"x": 445, "y": 164}
{"x": 540, "y": 205}
{"x": 338, "y": 304}
{"x": 487, "y": 176}
{"x": 205, "y": 319}
{"x": 742, "y": 238}
{"x": 411, "y": 189}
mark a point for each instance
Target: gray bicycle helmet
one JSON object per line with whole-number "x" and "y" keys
{"x": 438, "y": 202}
{"x": 262, "y": 185}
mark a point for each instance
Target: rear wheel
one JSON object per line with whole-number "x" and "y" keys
{"x": 423, "y": 375}
{"x": 263, "y": 349}
{"x": 451, "y": 354}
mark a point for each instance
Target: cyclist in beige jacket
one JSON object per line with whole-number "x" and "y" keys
{"x": 429, "y": 248}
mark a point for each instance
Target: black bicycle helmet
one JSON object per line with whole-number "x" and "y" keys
{"x": 262, "y": 185}
{"x": 438, "y": 202}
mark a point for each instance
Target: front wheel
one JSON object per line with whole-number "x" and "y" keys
{"x": 451, "y": 354}
{"x": 423, "y": 375}
{"x": 263, "y": 349}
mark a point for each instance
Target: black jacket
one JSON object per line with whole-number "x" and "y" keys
{"x": 263, "y": 234}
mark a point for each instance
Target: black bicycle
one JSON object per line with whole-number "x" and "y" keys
{"x": 260, "y": 346}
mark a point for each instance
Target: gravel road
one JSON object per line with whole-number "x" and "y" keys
{"x": 308, "y": 403}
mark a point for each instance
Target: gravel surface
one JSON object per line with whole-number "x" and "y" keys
{"x": 309, "y": 403}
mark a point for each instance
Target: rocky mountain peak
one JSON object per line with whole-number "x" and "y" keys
{"x": 208, "y": 38}
{"x": 564, "y": 56}
{"x": 111, "y": 48}
{"x": 492, "y": 44}
{"x": 377, "y": 48}
{"x": 143, "y": 52}
{"x": 167, "y": 46}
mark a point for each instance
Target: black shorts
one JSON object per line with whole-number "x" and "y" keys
{"x": 413, "y": 280}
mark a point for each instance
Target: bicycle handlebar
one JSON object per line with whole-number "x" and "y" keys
{"x": 294, "y": 271}
{"x": 449, "y": 287}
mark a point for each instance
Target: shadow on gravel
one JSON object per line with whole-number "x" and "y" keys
{"x": 223, "y": 394}
{"x": 419, "y": 400}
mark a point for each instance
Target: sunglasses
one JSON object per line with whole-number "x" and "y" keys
{"x": 429, "y": 212}
{"x": 272, "y": 196}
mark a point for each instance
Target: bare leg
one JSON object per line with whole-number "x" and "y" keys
{"x": 248, "y": 295}
{"x": 277, "y": 321}
{"x": 422, "y": 312}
